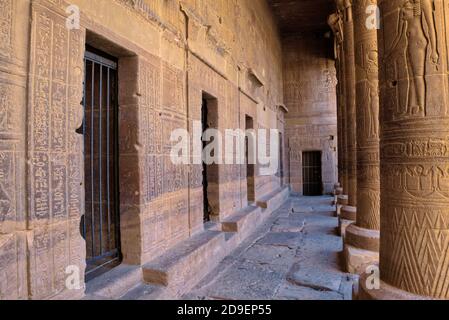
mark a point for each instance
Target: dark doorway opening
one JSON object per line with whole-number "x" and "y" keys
{"x": 311, "y": 173}
{"x": 281, "y": 159}
{"x": 205, "y": 126}
{"x": 209, "y": 120}
{"x": 100, "y": 224}
{"x": 250, "y": 161}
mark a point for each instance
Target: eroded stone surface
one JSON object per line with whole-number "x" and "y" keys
{"x": 273, "y": 264}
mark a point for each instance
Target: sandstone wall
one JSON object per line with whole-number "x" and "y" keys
{"x": 13, "y": 83}
{"x": 310, "y": 96}
{"x": 170, "y": 52}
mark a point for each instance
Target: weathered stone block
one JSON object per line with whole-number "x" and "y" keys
{"x": 56, "y": 257}
{"x": 13, "y": 268}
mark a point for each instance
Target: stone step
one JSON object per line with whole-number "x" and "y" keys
{"x": 241, "y": 219}
{"x": 274, "y": 200}
{"x": 145, "y": 292}
{"x": 182, "y": 267}
{"x": 115, "y": 283}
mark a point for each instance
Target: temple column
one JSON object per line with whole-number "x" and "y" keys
{"x": 362, "y": 238}
{"x": 414, "y": 149}
{"x": 336, "y": 24}
{"x": 348, "y": 212}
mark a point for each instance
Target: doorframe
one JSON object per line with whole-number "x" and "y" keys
{"x": 321, "y": 166}
{"x": 213, "y": 170}
{"x": 105, "y": 60}
{"x": 250, "y": 200}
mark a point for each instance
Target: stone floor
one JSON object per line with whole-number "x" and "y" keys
{"x": 294, "y": 255}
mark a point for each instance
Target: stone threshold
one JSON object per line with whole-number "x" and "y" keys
{"x": 182, "y": 267}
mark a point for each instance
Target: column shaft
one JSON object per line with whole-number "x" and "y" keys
{"x": 414, "y": 245}
{"x": 362, "y": 238}
{"x": 367, "y": 110}
{"x": 336, "y": 23}
{"x": 351, "y": 140}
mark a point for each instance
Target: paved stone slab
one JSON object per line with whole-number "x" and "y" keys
{"x": 294, "y": 256}
{"x": 293, "y": 292}
{"x": 290, "y": 224}
{"x": 313, "y": 275}
{"x": 245, "y": 280}
{"x": 285, "y": 239}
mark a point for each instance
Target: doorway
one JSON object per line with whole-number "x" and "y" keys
{"x": 209, "y": 120}
{"x": 281, "y": 159}
{"x": 250, "y": 161}
{"x": 311, "y": 173}
{"x": 100, "y": 224}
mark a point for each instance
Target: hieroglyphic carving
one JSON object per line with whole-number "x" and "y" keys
{"x": 172, "y": 88}
{"x": 12, "y": 267}
{"x": 367, "y": 110}
{"x": 418, "y": 182}
{"x": 367, "y": 87}
{"x": 6, "y": 27}
{"x": 55, "y": 178}
{"x": 8, "y": 118}
{"x": 150, "y": 10}
{"x": 329, "y": 80}
{"x": 150, "y": 82}
{"x": 415, "y": 130}
{"x": 412, "y": 43}
{"x": 417, "y": 148}
{"x": 7, "y": 183}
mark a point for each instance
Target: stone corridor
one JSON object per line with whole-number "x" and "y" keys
{"x": 294, "y": 255}
{"x": 118, "y": 178}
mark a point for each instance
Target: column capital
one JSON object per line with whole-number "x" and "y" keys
{"x": 335, "y": 23}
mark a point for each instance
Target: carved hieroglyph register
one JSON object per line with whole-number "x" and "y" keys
{"x": 348, "y": 213}
{"x": 362, "y": 238}
{"x": 414, "y": 245}
{"x": 54, "y": 151}
{"x": 13, "y": 65}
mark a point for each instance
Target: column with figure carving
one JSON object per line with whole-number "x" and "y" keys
{"x": 362, "y": 238}
{"x": 348, "y": 212}
{"x": 414, "y": 151}
{"x": 336, "y": 23}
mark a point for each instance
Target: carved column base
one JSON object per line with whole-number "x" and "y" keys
{"x": 361, "y": 248}
{"x": 348, "y": 213}
{"x": 385, "y": 292}
{"x": 362, "y": 238}
{"x": 342, "y": 200}
{"x": 338, "y": 189}
{"x": 356, "y": 260}
{"x": 346, "y": 217}
{"x": 337, "y": 192}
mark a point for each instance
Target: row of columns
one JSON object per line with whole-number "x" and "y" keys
{"x": 393, "y": 126}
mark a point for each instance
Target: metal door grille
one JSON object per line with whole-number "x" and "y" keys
{"x": 100, "y": 226}
{"x": 311, "y": 173}
{"x": 205, "y": 126}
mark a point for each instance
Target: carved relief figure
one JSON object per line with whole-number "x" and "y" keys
{"x": 416, "y": 28}
{"x": 329, "y": 79}
{"x": 371, "y": 68}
